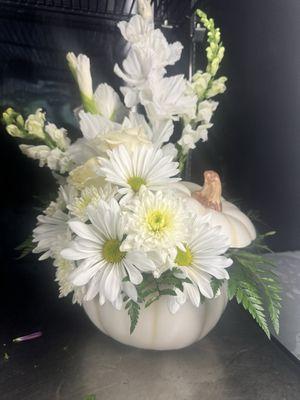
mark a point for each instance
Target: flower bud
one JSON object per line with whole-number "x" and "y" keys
{"x": 20, "y": 120}
{"x": 14, "y": 131}
{"x": 35, "y": 124}
{"x": 200, "y": 82}
{"x": 9, "y": 116}
{"x": 217, "y": 87}
{"x": 145, "y": 10}
{"x": 80, "y": 68}
{"x": 58, "y": 136}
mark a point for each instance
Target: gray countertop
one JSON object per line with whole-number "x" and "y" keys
{"x": 73, "y": 359}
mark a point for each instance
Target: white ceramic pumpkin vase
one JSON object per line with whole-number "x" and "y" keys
{"x": 157, "y": 328}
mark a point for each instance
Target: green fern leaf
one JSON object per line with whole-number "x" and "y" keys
{"x": 26, "y": 247}
{"x": 133, "y": 312}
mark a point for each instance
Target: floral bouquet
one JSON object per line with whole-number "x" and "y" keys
{"x": 153, "y": 259}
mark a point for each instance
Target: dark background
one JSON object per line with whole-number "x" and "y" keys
{"x": 254, "y": 143}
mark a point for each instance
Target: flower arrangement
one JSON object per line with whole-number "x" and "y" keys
{"x": 125, "y": 228}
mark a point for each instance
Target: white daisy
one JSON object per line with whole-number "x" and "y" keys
{"x": 62, "y": 275}
{"x": 144, "y": 166}
{"x": 102, "y": 266}
{"x": 52, "y": 234}
{"x": 201, "y": 260}
{"x": 156, "y": 222}
{"x": 90, "y": 196}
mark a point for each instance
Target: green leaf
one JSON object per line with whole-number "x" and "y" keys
{"x": 255, "y": 284}
{"x": 26, "y": 247}
{"x": 248, "y": 295}
{"x": 216, "y": 284}
{"x": 133, "y": 312}
{"x": 167, "y": 292}
{"x": 90, "y": 397}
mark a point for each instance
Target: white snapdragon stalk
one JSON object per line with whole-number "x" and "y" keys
{"x": 14, "y": 123}
{"x": 55, "y": 159}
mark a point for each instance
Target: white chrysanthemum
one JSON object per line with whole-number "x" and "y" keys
{"x": 52, "y": 234}
{"x": 62, "y": 275}
{"x": 156, "y": 222}
{"x": 201, "y": 260}
{"x": 102, "y": 266}
{"x": 145, "y": 166}
{"x": 66, "y": 195}
{"x": 91, "y": 196}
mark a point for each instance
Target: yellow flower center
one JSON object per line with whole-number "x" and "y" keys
{"x": 184, "y": 258}
{"x": 136, "y": 182}
{"x": 158, "y": 221}
{"x": 111, "y": 251}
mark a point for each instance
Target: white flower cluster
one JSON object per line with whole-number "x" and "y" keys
{"x": 122, "y": 211}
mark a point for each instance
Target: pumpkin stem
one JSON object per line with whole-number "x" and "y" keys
{"x": 210, "y": 195}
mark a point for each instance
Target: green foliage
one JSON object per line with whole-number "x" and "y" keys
{"x": 150, "y": 290}
{"x": 133, "y": 310}
{"x": 255, "y": 285}
{"x": 216, "y": 284}
{"x": 90, "y": 397}
{"x": 25, "y": 248}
